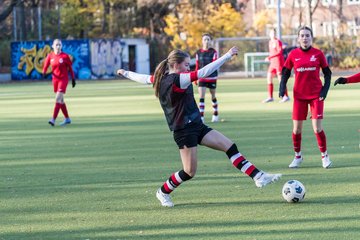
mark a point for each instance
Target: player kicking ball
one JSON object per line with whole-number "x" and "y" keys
{"x": 172, "y": 82}
{"x": 60, "y": 64}
{"x": 308, "y": 92}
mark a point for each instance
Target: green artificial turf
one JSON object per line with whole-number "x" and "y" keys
{"x": 97, "y": 178}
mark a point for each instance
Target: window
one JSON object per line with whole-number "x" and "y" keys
{"x": 330, "y": 29}
{"x": 302, "y": 3}
{"x": 329, "y": 2}
{"x": 352, "y": 2}
{"x": 353, "y": 27}
{"x": 273, "y": 3}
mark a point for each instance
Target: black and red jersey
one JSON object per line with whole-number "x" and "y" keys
{"x": 203, "y": 58}
{"x": 178, "y": 104}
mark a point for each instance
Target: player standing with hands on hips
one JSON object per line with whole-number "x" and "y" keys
{"x": 60, "y": 64}
{"x": 204, "y": 56}
{"x": 172, "y": 82}
{"x": 308, "y": 91}
{"x": 276, "y": 59}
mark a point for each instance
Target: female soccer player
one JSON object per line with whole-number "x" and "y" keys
{"x": 204, "y": 56}
{"x": 173, "y": 87}
{"x": 308, "y": 91}
{"x": 352, "y": 79}
{"x": 276, "y": 59}
{"x": 60, "y": 64}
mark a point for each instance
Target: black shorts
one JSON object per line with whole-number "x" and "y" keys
{"x": 210, "y": 85}
{"x": 191, "y": 135}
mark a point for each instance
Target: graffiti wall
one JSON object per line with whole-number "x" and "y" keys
{"x": 27, "y": 58}
{"x": 106, "y": 57}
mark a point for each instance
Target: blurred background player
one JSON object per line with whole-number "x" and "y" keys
{"x": 60, "y": 65}
{"x": 204, "y": 56}
{"x": 308, "y": 91}
{"x": 276, "y": 59}
{"x": 345, "y": 80}
{"x": 173, "y": 86}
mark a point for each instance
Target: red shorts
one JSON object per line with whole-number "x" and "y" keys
{"x": 300, "y": 109}
{"x": 60, "y": 86}
{"x": 275, "y": 69}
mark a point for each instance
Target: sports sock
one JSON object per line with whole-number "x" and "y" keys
{"x": 56, "y": 110}
{"x": 174, "y": 181}
{"x": 321, "y": 139}
{"x": 270, "y": 90}
{"x": 64, "y": 110}
{"x": 286, "y": 92}
{"x": 202, "y": 106}
{"x": 240, "y": 162}
{"x": 215, "y": 106}
{"x": 296, "y": 142}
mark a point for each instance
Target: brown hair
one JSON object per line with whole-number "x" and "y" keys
{"x": 306, "y": 28}
{"x": 175, "y": 56}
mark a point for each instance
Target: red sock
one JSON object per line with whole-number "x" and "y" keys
{"x": 321, "y": 139}
{"x": 270, "y": 90}
{"x": 56, "y": 110}
{"x": 286, "y": 92}
{"x": 64, "y": 110}
{"x": 296, "y": 142}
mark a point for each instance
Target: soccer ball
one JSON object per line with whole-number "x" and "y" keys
{"x": 293, "y": 191}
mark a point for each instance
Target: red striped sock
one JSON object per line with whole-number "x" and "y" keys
{"x": 64, "y": 110}
{"x": 296, "y": 142}
{"x": 321, "y": 139}
{"x": 270, "y": 90}
{"x": 174, "y": 181}
{"x": 202, "y": 106}
{"x": 240, "y": 162}
{"x": 56, "y": 110}
{"x": 215, "y": 107}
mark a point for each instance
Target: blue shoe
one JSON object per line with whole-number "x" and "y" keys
{"x": 52, "y": 122}
{"x": 65, "y": 122}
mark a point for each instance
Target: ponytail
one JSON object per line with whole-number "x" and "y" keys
{"x": 159, "y": 75}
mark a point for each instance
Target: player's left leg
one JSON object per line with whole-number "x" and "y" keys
{"x": 317, "y": 112}
{"x": 218, "y": 141}
{"x": 62, "y": 89}
{"x": 215, "y": 117}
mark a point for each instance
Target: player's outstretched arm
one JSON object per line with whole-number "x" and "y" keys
{"x": 352, "y": 79}
{"x": 137, "y": 77}
{"x": 285, "y": 75}
{"x": 187, "y": 78}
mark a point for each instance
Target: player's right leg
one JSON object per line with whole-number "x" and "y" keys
{"x": 215, "y": 105}
{"x": 202, "y": 91}
{"x": 296, "y": 137}
{"x": 218, "y": 141}
{"x": 59, "y": 98}
{"x": 270, "y": 87}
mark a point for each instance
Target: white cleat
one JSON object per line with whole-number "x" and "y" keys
{"x": 268, "y": 100}
{"x": 326, "y": 163}
{"x": 296, "y": 162}
{"x": 284, "y": 99}
{"x": 215, "y": 118}
{"x": 265, "y": 179}
{"x": 164, "y": 199}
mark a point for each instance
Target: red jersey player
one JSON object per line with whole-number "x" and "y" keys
{"x": 204, "y": 56}
{"x": 352, "y": 79}
{"x": 308, "y": 91}
{"x": 276, "y": 59}
{"x": 60, "y": 64}
{"x": 172, "y": 84}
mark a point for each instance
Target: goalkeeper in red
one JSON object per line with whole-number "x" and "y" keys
{"x": 276, "y": 59}
{"x": 61, "y": 65}
{"x": 345, "y": 80}
{"x": 308, "y": 92}
{"x": 173, "y": 86}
